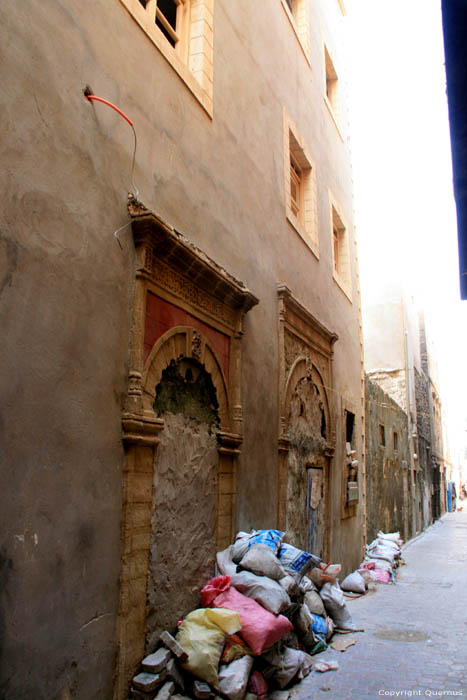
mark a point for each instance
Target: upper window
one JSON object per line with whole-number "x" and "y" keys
{"x": 300, "y": 186}
{"x": 331, "y": 88}
{"x": 340, "y": 250}
{"x": 382, "y": 436}
{"x": 182, "y": 30}
{"x": 298, "y": 14}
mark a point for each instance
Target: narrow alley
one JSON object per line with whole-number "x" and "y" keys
{"x": 414, "y": 643}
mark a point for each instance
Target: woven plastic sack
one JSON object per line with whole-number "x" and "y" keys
{"x": 295, "y": 561}
{"x": 224, "y": 562}
{"x": 202, "y": 634}
{"x": 324, "y": 573}
{"x": 314, "y": 603}
{"x": 260, "y": 628}
{"x": 271, "y": 538}
{"x": 264, "y": 590}
{"x": 354, "y": 583}
{"x": 333, "y": 600}
{"x": 244, "y": 540}
{"x": 382, "y": 576}
{"x": 286, "y": 665}
{"x": 233, "y": 678}
{"x": 378, "y": 563}
{"x": 394, "y": 536}
{"x": 303, "y": 625}
{"x": 261, "y": 560}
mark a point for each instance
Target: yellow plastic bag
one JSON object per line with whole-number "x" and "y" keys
{"x": 202, "y": 634}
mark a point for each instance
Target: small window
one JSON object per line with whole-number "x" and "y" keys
{"x": 298, "y": 14}
{"x": 395, "y": 439}
{"x": 340, "y": 251}
{"x": 382, "y": 436}
{"x": 300, "y": 180}
{"x": 296, "y": 187}
{"x": 349, "y": 427}
{"x": 332, "y": 86}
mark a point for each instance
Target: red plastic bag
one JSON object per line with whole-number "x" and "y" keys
{"x": 260, "y": 628}
{"x": 213, "y": 588}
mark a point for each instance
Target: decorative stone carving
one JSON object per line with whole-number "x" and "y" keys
{"x": 196, "y": 345}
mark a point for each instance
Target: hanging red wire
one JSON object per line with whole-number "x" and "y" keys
{"x": 109, "y": 104}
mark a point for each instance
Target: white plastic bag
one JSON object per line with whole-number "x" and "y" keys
{"x": 233, "y": 677}
{"x": 264, "y": 590}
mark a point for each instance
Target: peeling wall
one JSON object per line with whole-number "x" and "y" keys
{"x": 387, "y": 473}
{"x": 182, "y": 556}
{"x": 307, "y": 429}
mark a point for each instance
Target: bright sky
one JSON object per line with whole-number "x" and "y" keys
{"x": 404, "y": 203}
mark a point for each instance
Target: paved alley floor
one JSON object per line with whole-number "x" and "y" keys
{"x": 415, "y": 638}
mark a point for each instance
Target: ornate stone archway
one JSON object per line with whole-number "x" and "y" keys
{"x": 185, "y": 306}
{"x": 306, "y": 428}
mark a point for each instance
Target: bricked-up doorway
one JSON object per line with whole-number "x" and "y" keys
{"x": 306, "y": 430}
{"x": 187, "y": 328}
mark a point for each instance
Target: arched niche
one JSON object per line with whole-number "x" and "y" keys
{"x": 306, "y": 420}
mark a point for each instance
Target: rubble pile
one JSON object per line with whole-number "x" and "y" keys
{"x": 268, "y": 611}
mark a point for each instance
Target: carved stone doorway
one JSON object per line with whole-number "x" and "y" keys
{"x": 182, "y": 431}
{"x": 307, "y": 434}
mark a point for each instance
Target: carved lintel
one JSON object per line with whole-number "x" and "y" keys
{"x": 229, "y": 443}
{"x": 141, "y": 429}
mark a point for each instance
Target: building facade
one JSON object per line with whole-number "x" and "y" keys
{"x": 183, "y": 362}
{"x": 399, "y": 361}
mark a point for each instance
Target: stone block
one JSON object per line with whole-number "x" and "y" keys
{"x": 172, "y": 644}
{"x": 201, "y": 690}
{"x": 139, "y": 695}
{"x": 166, "y": 691}
{"x": 174, "y": 674}
{"x": 155, "y": 663}
{"x": 147, "y": 682}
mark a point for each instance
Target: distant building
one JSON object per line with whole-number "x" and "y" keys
{"x": 398, "y": 359}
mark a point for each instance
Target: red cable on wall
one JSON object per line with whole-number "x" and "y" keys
{"x": 109, "y": 104}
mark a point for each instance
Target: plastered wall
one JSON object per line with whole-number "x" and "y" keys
{"x": 66, "y": 291}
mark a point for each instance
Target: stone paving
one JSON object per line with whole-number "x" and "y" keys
{"x": 415, "y": 638}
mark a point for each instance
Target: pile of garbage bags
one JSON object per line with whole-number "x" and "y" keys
{"x": 268, "y": 610}
{"x": 382, "y": 558}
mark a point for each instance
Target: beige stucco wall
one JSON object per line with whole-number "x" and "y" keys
{"x": 66, "y": 291}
